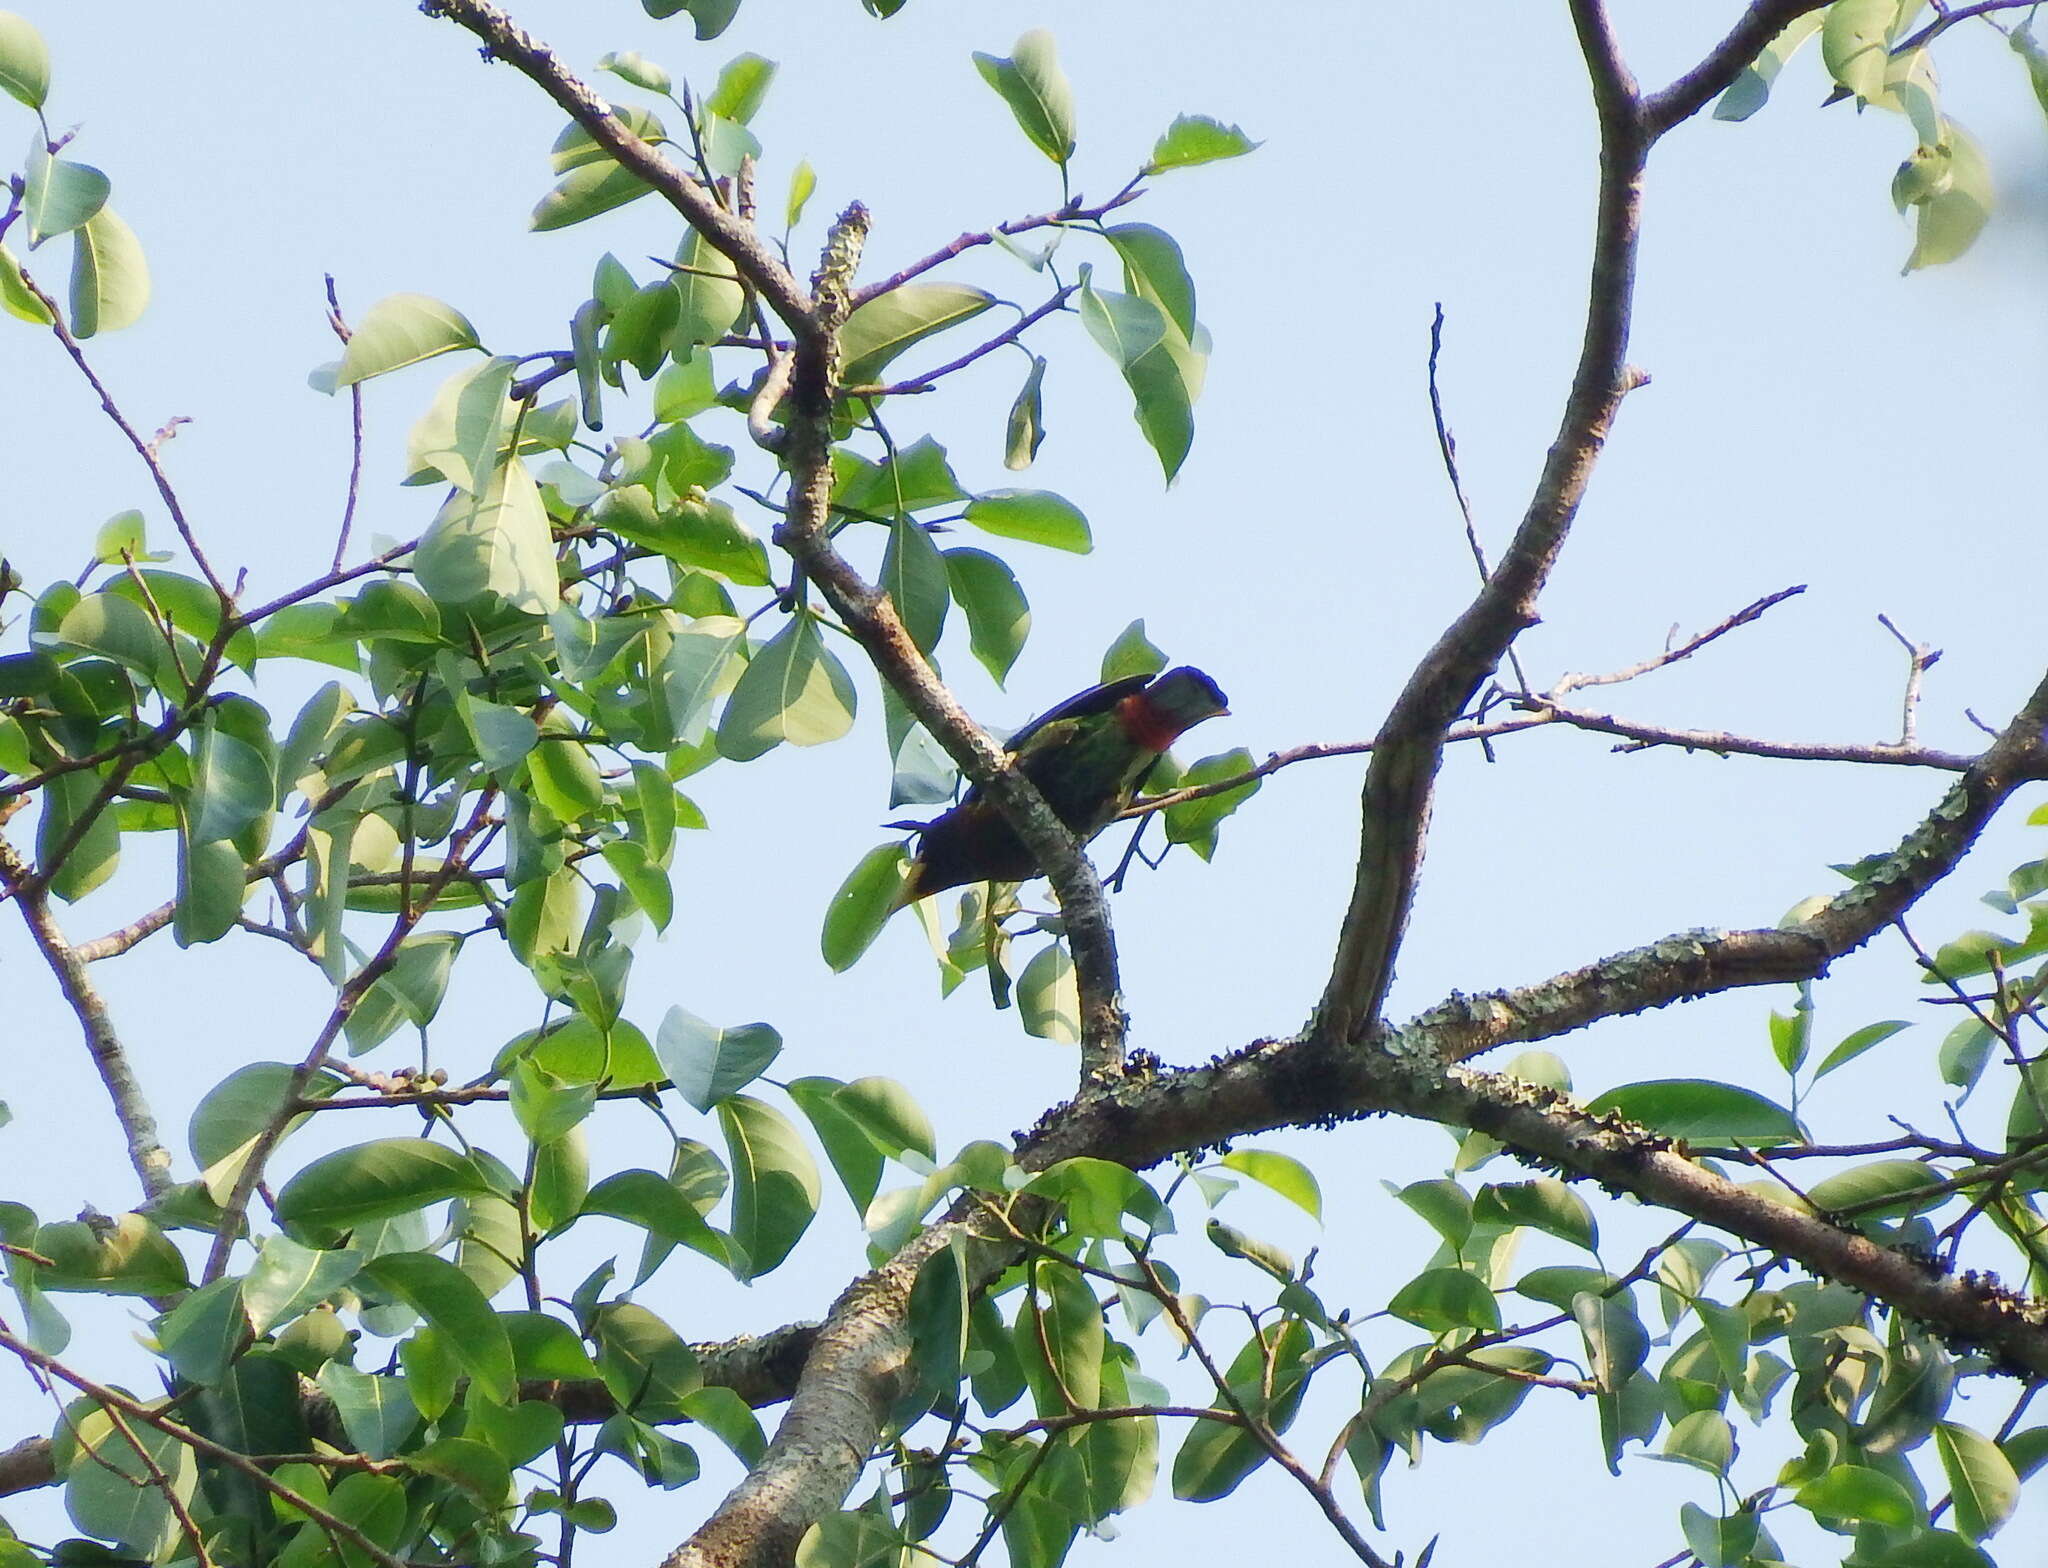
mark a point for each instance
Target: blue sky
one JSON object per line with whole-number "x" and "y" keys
{"x": 1814, "y": 418}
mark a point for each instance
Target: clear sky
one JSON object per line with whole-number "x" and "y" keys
{"x": 1814, "y": 418}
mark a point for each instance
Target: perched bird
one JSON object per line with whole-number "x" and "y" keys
{"x": 1087, "y": 757}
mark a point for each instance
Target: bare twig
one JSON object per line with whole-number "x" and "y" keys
{"x": 1920, "y": 658}
{"x": 1447, "y": 447}
{"x": 355, "y": 450}
{"x": 145, "y": 450}
{"x": 1684, "y": 650}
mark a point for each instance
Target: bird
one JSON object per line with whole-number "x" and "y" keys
{"x": 1087, "y": 756}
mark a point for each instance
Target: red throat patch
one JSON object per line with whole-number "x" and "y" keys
{"x": 1147, "y": 727}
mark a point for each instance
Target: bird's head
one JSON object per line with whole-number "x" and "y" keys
{"x": 1175, "y": 703}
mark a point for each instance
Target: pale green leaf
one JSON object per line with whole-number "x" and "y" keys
{"x": 401, "y": 330}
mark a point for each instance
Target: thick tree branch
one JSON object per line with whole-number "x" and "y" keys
{"x": 1685, "y": 97}
{"x": 146, "y": 1152}
{"x": 1408, "y": 751}
{"x": 813, "y": 323}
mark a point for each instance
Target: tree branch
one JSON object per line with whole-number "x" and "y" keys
{"x": 737, "y": 241}
{"x": 146, "y": 1152}
{"x": 1727, "y": 60}
{"x": 1408, "y": 751}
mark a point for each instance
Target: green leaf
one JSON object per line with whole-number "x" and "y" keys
{"x": 1155, "y": 270}
{"x": 451, "y": 1303}
{"x": 288, "y": 1279}
{"x": 232, "y": 787}
{"x": 888, "y": 324}
{"x": 637, "y": 69}
{"x": 1193, "y": 139}
{"x": 584, "y": 192}
{"x": 1981, "y": 1479}
{"x": 914, "y": 479}
{"x": 742, "y": 86}
{"x": 998, "y": 615}
{"x": 1036, "y": 89}
{"x": 1049, "y": 998}
{"x": 95, "y": 856}
{"x": 664, "y": 1210}
{"x": 794, "y": 690}
{"x": 707, "y": 1062}
{"x": 855, "y": 1539}
{"x": 576, "y": 148}
{"x": 1748, "y": 92}
{"x": 1034, "y": 516}
{"x": 125, "y": 1255}
{"x": 1024, "y": 432}
{"x": 775, "y": 1184}
{"x": 1949, "y": 223}
{"x": 1859, "y": 1042}
{"x": 1132, "y": 653}
{"x": 1546, "y": 1203}
{"x": 116, "y": 626}
{"x": 1440, "y": 1300}
{"x": 1856, "y": 1492}
{"x": 212, "y": 883}
{"x": 464, "y": 430}
{"x": 1283, "y": 1173}
{"x": 16, "y": 297}
{"x": 1700, "y": 1110}
{"x": 204, "y": 1333}
{"x": 401, "y": 330}
{"x": 1214, "y": 1459}
{"x": 710, "y": 296}
{"x": 1616, "y": 1340}
{"x": 645, "y": 1364}
{"x": 377, "y": 1412}
{"x": 109, "y": 276}
{"x": 111, "y": 1482}
{"x": 862, "y": 906}
{"x": 373, "y": 1181}
{"x": 121, "y": 538}
{"x": 803, "y": 181}
{"x": 59, "y": 195}
{"x": 914, "y": 577}
{"x": 1715, "y": 1541}
{"x": 1195, "y": 822}
{"x": 495, "y": 541}
{"x": 465, "y": 1463}
{"x": 1162, "y": 368}
{"x": 1704, "y": 1439}
{"x": 1444, "y": 1204}
{"x": 1097, "y": 1194}
{"x": 561, "y": 772}
{"x": 24, "y": 61}
{"x": 1855, "y": 44}
{"x": 1890, "y": 1187}
{"x": 233, "y": 1113}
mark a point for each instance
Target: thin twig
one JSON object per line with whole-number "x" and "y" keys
{"x": 111, "y": 1400}
{"x": 1447, "y": 447}
{"x": 355, "y": 451}
{"x": 1919, "y": 659}
{"x": 1684, "y": 650}
{"x": 931, "y": 378}
{"x": 143, "y": 449}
